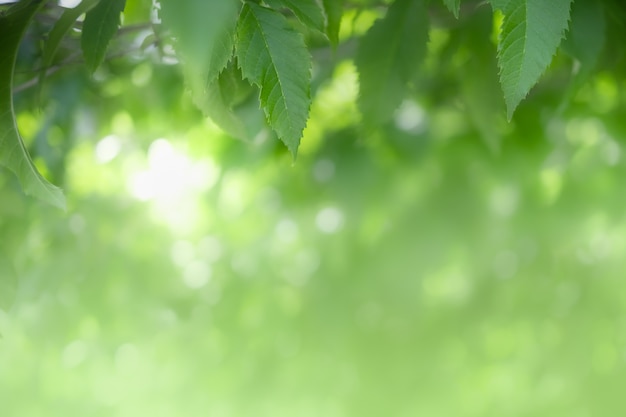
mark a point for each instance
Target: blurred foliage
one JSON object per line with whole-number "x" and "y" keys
{"x": 438, "y": 266}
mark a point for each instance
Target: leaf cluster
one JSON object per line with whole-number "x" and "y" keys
{"x": 251, "y": 64}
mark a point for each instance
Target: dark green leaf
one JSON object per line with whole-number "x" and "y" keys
{"x": 334, "y": 12}
{"x": 58, "y": 32}
{"x": 454, "y": 6}
{"x": 13, "y": 153}
{"x": 309, "y": 12}
{"x": 274, "y": 57}
{"x": 389, "y": 56}
{"x": 586, "y": 37}
{"x": 101, "y": 24}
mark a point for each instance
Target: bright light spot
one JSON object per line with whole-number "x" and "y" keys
{"x": 503, "y": 201}
{"x": 74, "y": 354}
{"x": 552, "y": 182}
{"x": 449, "y": 284}
{"x": 107, "y": 149}
{"x": 141, "y": 75}
{"x": 329, "y": 220}
{"x": 611, "y": 153}
{"x": 69, "y": 4}
{"x": 323, "y": 170}
{"x": 197, "y": 274}
{"x": 410, "y": 117}
{"x": 505, "y": 264}
{"x": 600, "y": 246}
{"x": 182, "y": 252}
{"x": 210, "y": 248}
{"x": 171, "y": 175}
{"x": 287, "y": 231}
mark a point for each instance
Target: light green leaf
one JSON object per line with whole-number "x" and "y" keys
{"x": 100, "y": 25}
{"x": 309, "y": 12}
{"x": 274, "y": 57}
{"x": 530, "y": 35}
{"x": 334, "y": 12}
{"x": 58, "y": 32}
{"x": 13, "y": 153}
{"x": 204, "y": 33}
{"x": 388, "y": 58}
{"x": 454, "y": 6}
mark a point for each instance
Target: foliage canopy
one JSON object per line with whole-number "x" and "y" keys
{"x": 275, "y": 53}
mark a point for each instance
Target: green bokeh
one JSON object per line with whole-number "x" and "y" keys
{"x": 408, "y": 272}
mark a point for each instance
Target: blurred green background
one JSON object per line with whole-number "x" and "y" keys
{"x": 417, "y": 271}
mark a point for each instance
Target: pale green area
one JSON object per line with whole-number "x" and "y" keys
{"x": 407, "y": 273}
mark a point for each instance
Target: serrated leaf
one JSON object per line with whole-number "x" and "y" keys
{"x": 388, "y": 58}
{"x": 309, "y": 12}
{"x": 274, "y": 57}
{"x": 530, "y": 35}
{"x": 454, "y": 6}
{"x": 13, "y": 153}
{"x": 58, "y": 32}
{"x": 100, "y": 25}
{"x": 204, "y": 32}
{"x": 334, "y": 13}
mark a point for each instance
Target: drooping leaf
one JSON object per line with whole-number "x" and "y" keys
{"x": 274, "y": 57}
{"x": 478, "y": 76}
{"x": 204, "y": 33}
{"x": 454, "y": 6}
{"x": 388, "y": 58}
{"x": 58, "y": 32}
{"x": 334, "y": 12}
{"x": 530, "y": 35}
{"x": 100, "y": 25}
{"x": 231, "y": 102}
{"x": 309, "y": 12}
{"x": 13, "y": 153}
{"x": 585, "y": 38}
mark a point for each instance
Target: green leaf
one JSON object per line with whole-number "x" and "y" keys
{"x": 454, "y": 6}
{"x": 334, "y": 12}
{"x": 309, "y": 12}
{"x": 388, "y": 58}
{"x": 232, "y": 104}
{"x": 100, "y": 25}
{"x": 13, "y": 153}
{"x": 585, "y": 38}
{"x": 204, "y": 33}
{"x": 478, "y": 79}
{"x": 58, "y": 32}
{"x": 530, "y": 35}
{"x": 274, "y": 57}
